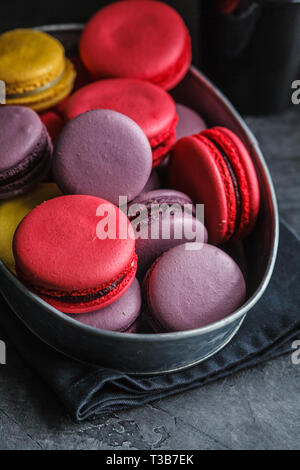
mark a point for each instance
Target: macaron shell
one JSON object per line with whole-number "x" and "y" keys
{"x": 160, "y": 232}
{"x": 153, "y": 182}
{"x": 56, "y": 247}
{"x": 25, "y": 183}
{"x": 196, "y": 169}
{"x": 164, "y": 232}
{"x": 51, "y": 96}
{"x": 190, "y": 289}
{"x": 21, "y": 130}
{"x": 118, "y": 316}
{"x": 29, "y": 59}
{"x": 25, "y": 150}
{"x": 116, "y": 43}
{"x": 246, "y": 175}
{"x": 102, "y": 153}
{"x": 189, "y": 122}
{"x": 14, "y": 210}
{"x": 169, "y": 196}
{"x": 148, "y": 105}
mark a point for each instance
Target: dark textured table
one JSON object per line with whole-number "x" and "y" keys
{"x": 255, "y": 409}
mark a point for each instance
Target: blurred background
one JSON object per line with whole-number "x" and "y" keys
{"x": 250, "y": 49}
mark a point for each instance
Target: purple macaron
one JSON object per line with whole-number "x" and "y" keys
{"x": 25, "y": 150}
{"x": 159, "y": 230}
{"x": 187, "y": 289}
{"x": 153, "y": 182}
{"x": 189, "y": 122}
{"x": 122, "y": 315}
{"x": 102, "y": 153}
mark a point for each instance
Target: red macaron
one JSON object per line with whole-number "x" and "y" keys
{"x": 227, "y": 7}
{"x": 53, "y": 122}
{"x": 152, "y": 108}
{"x": 215, "y": 168}
{"x": 137, "y": 39}
{"x": 64, "y": 253}
{"x": 82, "y": 78}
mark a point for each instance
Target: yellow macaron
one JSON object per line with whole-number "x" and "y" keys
{"x": 14, "y": 210}
{"x": 34, "y": 68}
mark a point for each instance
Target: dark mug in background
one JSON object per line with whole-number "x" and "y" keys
{"x": 251, "y": 50}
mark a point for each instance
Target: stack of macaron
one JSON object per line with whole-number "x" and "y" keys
{"x": 115, "y": 199}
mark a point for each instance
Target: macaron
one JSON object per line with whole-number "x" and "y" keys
{"x": 146, "y": 40}
{"x": 152, "y": 108}
{"x": 153, "y": 182}
{"x": 163, "y": 219}
{"x": 102, "y": 153}
{"x": 25, "y": 150}
{"x": 187, "y": 289}
{"x": 82, "y": 79}
{"x": 76, "y": 252}
{"x": 189, "y": 122}
{"x": 215, "y": 168}
{"x": 34, "y": 68}
{"x": 53, "y": 122}
{"x": 121, "y": 315}
{"x": 14, "y": 210}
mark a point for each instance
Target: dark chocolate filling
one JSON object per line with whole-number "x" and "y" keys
{"x": 235, "y": 184}
{"x": 76, "y": 299}
{"x": 14, "y": 175}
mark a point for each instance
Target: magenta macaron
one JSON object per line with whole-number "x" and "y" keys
{"x": 187, "y": 289}
{"x": 25, "y": 150}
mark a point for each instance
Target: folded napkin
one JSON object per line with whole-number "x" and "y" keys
{"x": 267, "y": 332}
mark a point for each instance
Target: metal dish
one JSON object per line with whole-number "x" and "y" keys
{"x": 154, "y": 354}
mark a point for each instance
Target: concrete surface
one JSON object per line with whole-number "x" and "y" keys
{"x": 254, "y": 409}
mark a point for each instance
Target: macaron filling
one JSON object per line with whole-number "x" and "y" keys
{"x": 37, "y": 161}
{"x": 162, "y": 144}
{"x": 228, "y": 183}
{"x": 87, "y": 297}
{"x": 35, "y": 91}
{"x": 235, "y": 183}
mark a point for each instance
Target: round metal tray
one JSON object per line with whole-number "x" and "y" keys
{"x": 154, "y": 354}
